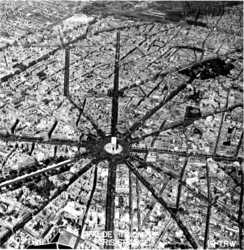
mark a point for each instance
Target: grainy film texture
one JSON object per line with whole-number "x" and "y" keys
{"x": 121, "y": 125}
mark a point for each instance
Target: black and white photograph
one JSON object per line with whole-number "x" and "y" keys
{"x": 121, "y": 125}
